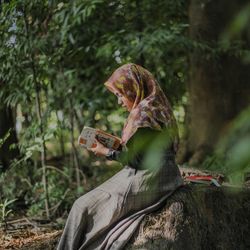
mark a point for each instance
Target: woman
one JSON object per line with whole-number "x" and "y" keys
{"x": 106, "y": 217}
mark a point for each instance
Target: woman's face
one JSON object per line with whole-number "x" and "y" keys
{"x": 124, "y": 101}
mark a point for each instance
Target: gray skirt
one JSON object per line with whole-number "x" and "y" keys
{"x": 107, "y": 216}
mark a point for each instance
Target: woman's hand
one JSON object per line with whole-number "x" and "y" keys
{"x": 100, "y": 149}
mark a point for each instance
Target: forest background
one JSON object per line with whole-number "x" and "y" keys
{"x": 55, "y": 57}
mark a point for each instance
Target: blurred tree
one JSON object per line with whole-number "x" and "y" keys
{"x": 8, "y": 135}
{"x": 218, "y": 87}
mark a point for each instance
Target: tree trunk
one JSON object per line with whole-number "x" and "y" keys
{"x": 7, "y": 124}
{"x": 219, "y": 86}
{"x": 73, "y": 147}
{"x": 198, "y": 218}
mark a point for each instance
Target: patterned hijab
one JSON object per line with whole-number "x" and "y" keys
{"x": 150, "y": 105}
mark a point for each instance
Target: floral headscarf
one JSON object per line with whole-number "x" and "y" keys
{"x": 150, "y": 105}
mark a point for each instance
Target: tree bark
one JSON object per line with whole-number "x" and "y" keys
{"x": 73, "y": 148}
{"x": 219, "y": 86}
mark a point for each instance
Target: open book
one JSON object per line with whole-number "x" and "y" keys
{"x": 89, "y": 136}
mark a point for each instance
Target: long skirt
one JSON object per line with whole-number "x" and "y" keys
{"x": 107, "y": 216}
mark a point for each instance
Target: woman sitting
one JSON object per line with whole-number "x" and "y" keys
{"x": 107, "y": 216}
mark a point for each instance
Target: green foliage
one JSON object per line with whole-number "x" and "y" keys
{"x": 2, "y": 140}
{"x": 238, "y": 24}
{"x": 234, "y": 148}
{"x": 23, "y": 182}
{"x": 5, "y": 211}
{"x": 232, "y": 156}
{"x": 58, "y": 54}
{"x": 232, "y": 41}
{"x": 61, "y": 193}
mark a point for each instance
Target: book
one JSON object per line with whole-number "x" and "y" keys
{"x": 202, "y": 179}
{"x": 89, "y": 136}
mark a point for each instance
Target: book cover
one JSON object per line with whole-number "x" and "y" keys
{"x": 89, "y": 136}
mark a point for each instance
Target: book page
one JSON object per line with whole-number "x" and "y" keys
{"x": 87, "y": 137}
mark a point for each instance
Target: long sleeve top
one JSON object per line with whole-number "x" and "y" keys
{"x": 146, "y": 146}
